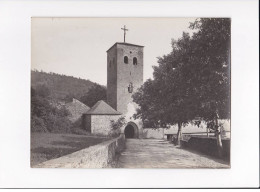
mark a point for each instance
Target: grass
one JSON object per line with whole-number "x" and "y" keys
{"x": 46, "y": 146}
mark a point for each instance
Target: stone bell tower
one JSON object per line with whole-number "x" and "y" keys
{"x": 124, "y": 74}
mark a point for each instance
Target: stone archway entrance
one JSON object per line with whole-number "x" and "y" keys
{"x": 131, "y": 130}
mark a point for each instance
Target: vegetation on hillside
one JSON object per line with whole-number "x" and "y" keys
{"x": 44, "y": 116}
{"x": 65, "y": 88}
{"x": 48, "y": 90}
{"x": 95, "y": 94}
{"x": 193, "y": 80}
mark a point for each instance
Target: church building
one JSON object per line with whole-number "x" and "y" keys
{"x": 124, "y": 77}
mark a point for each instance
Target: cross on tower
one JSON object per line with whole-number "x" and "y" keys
{"x": 125, "y": 29}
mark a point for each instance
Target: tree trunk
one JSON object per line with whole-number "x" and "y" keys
{"x": 218, "y": 137}
{"x": 179, "y": 134}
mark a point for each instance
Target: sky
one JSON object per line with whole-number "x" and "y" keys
{"x": 77, "y": 46}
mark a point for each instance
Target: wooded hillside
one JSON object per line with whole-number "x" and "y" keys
{"x": 49, "y": 91}
{"x": 61, "y": 86}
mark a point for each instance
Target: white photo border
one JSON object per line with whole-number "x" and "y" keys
{"x": 15, "y": 54}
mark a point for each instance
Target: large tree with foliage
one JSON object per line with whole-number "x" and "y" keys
{"x": 167, "y": 99}
{"x": 212, "y": 50}
{"x": 95, "y": 93}
{"x": 193, "y": 80}
{"x": 44, "y": 116}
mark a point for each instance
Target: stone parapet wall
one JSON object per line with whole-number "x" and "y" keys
{"x": 190, "y": 128}
{"x": 149, "y": 133}
{"x": 159, "y": 133}
{"x": 102, "y": 155}
{"x": 207, "y": 146}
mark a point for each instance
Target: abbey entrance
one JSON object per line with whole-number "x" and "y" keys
{"x": 131, "y": 130}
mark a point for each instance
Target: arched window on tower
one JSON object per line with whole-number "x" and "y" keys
{"x": 135, "y": 61}
{"x": 125, "y": 59}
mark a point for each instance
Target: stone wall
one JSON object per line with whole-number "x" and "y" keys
{"x": 191, "y": 128}
{"x": 127, "y": 73}
{"x": 101, "y": 124}
{"x": 102, "y": 155}
{"x": 120, "y": 75}
{"x": 153, "y": 133}
{"x": 112, "y": 77}
{"x": 207, "y": 146}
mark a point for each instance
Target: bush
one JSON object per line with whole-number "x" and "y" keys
{"x": 38, "y": 125}
{"x": 95, "y": 93}
{"x": 57, "y": 124}
{"x": 61, "y": 112}
{"x": 43, "y": 91}
{"x": 62, "y": 125}
{"x": 78, "y": 124}
{"x": 79, "y": 131}
{"x": 116, "y": 126}
{"x": 78, "y": 128}
{"x": 45, "y": 117}
{"x": 114, "y": 133}
{"x": 40, "y": 106}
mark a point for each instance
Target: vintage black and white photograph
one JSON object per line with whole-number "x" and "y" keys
{"x": 130, "y": 92}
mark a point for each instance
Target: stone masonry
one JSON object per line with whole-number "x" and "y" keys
{"x": 121, "y": 74}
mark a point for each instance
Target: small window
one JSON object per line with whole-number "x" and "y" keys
{"x": 125, "y": 59}
{"x": 110, "y": 64}
{"x": 135, "y": 61}
{"x": 130, "y": 87}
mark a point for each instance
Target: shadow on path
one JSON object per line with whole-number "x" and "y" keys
{"x": 155, "y": 153}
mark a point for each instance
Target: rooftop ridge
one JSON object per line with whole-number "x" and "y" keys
{"x": 102, "y": 108}
{"x": 124, "y": 44}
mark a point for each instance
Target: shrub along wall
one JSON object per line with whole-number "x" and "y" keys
{"x": 102, "y": 155}
{"x": 207, "y": 146}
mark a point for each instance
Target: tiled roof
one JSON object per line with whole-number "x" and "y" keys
{"x": 102, "y": 108}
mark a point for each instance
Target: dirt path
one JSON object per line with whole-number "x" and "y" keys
{"x": 153, "y": 153}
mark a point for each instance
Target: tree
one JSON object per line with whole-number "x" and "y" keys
{"x": 42, "y": 90}
{"x": 117, "y": 125}
{"x": 95, "y": 93}
{"x": 193, "y": 80}
{"x": 165, "y": 100}
{"x": 212, "y": 49}
{"x": 44, "y": 116}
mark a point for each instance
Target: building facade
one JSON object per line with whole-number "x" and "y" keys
{"x": 98, "y": 119}
{"x": 124, "y": 74}
{"x": 124, "y": 77}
